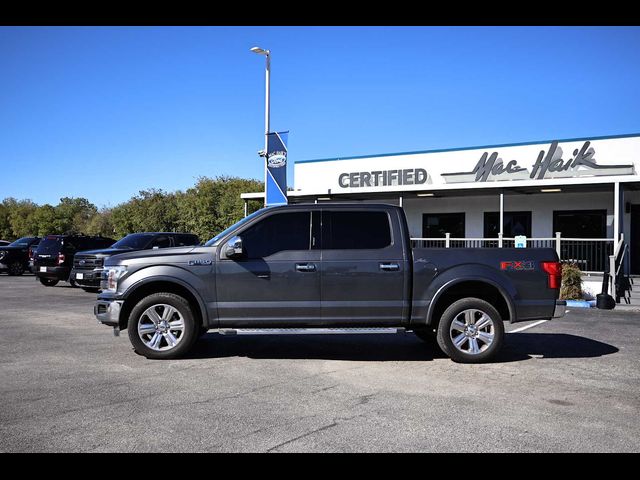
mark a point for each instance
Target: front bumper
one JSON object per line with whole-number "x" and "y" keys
{"x": 3, "y": 266}
{"x": 561, "y": 309}
{"x": 87, "y": 278}
{"x": 108, "y": 312}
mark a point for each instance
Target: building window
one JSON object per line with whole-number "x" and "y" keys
{"x": 515, "y": 223}
{"x": 580, "y": 223}
{"x": 435, "y": 225}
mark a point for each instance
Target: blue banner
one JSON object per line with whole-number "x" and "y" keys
{"x": 276, "y": 181}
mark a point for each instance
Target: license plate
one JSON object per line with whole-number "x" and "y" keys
{"x": 79, "y": 276}
{"x": 43, "y": 269}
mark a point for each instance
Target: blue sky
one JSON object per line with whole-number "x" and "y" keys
{"x": 103, "y": 112}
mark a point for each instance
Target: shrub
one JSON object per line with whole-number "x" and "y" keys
{"x": 571, "y": 288}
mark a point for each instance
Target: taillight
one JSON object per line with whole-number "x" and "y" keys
{"x": 60, "y": 258}
{"x": 554, "y": 272}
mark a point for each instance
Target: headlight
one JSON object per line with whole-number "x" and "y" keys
{"x": 110, "y": 277}
{"x": 2, "y": 254}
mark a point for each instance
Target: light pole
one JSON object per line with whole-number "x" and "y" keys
{"x": 267, "y": 54}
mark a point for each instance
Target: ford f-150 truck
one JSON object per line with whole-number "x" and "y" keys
{"x": 327, "y": 265}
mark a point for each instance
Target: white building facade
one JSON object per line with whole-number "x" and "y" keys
{"x": 581, "y": 196}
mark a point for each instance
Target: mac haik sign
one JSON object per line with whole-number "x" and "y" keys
{"x": 528, "y": 164}
{"x": 550, "y": 163}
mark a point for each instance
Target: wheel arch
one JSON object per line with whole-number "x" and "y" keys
{"x": 476, "y": 287}
{"x": 162, "y": 284}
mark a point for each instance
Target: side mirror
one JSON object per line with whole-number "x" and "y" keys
{"x": 233, "y": 248}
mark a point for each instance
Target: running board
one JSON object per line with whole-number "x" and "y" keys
{"x": 307, "y": 331}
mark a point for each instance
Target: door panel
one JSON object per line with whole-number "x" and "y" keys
{"x": 269, "y": 286}
{"x": 361, "y": 286}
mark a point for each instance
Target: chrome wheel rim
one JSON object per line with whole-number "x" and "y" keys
{"x": 472, "y": 331}
{"x": 161, "y": 327}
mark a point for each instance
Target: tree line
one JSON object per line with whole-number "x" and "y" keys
{"x": 205, "y": 209}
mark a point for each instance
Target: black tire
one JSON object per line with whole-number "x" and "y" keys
{"x": 91, "y": 289}
{"x": 48, "y": 282}
{"x": 187, "y": 338}
{"x": 16, "y": 269}
{"x": 73, "y": 283}
{"x": 427, "y": 335}
{"x": 444, "y": 336}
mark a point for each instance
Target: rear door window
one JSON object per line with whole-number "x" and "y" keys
{"x": 356, "y": 230}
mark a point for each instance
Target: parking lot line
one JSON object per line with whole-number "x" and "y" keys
{"x": 528, "y": 326}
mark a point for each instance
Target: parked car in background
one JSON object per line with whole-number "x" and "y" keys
{"x": 87, "y": 266}
{"x": 4, "y": 243}
{"x": 53, "y": 259}
{"x": 14, "y": 258}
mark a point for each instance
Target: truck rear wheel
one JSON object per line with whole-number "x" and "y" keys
{"x": 162, "y": 326}
{"x": 470, "y": 331}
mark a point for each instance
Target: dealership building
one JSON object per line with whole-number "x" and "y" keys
{"x": 580, "y": 196}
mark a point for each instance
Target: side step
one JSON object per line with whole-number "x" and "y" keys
{"x": 307, "y": 331}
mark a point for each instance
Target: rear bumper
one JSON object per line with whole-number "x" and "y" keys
{"x": 56, "y": 273}
{"x": 561, "y": 309}
{"x": 108, "y": 312}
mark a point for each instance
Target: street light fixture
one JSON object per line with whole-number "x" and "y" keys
{"x": 267, "y": 54}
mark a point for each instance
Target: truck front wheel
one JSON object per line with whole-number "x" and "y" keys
{"x": 162, "y": 326}
{"x": 16, "y": 269}
{"x": 470, "y": 331}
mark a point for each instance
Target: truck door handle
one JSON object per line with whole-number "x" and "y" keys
{"x": 390, "y": 267}
{"x": 305, "y": 267}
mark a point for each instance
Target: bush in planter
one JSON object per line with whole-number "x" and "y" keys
{"x": 571, "y": 288}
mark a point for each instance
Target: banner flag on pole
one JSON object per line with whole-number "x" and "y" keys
{"x": 276, "y": 181}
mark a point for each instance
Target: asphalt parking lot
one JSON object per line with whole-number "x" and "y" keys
{"x": 67, "y": 384}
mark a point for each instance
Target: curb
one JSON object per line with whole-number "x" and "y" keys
{"x": 581, "y": 303}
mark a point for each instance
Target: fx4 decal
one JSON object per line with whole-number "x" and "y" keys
{"x": 517, "y": 265}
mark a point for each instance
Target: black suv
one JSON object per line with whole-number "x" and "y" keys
{"x": 14, "y": 258}
{"x": 87, "y": 266}
{"x": 53, "y": 259}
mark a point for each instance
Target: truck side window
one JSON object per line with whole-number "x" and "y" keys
{"x": 344, "y": 230}
{"x": 161, "y": 242}
{"x": 276, "y": 233}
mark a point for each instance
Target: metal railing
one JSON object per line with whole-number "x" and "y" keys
{"x": 590, "y": 254}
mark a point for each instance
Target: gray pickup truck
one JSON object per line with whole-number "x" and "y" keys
{"x": 327, "y": 265}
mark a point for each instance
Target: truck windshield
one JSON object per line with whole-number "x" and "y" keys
{"x": 232, "y": 227}
{"x": 135, "y": 241}
{"x": 21, "y": 242}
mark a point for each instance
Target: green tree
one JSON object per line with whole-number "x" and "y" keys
{"x": 73, "y": 214}
{"x": 6, "y": 233}
{"x": 45, "y": 221}
{"x": 21, "y": 218}
{"x": 214, "y": 204}
{"x": 151, "y": 210}
{"x": 101, "y": 224}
